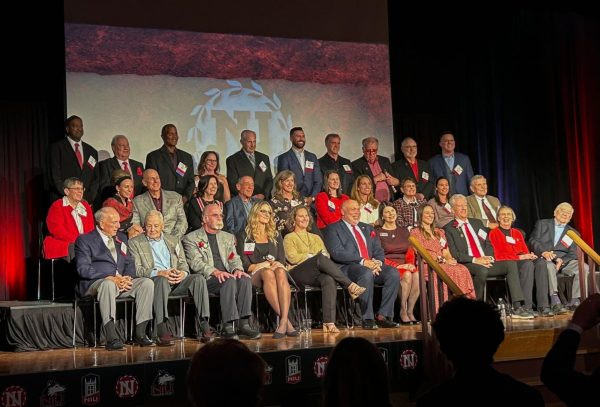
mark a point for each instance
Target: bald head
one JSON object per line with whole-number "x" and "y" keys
{"x": 107, "y": 220}
{"x": 213, "y": 218}
{"x": 351, "y": 211}
{"x": 151, "y": 180}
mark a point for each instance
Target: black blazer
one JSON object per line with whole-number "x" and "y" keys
{"x": 238, "y": 165}
{"x": 275, "y": 250}
{"x": 105, "y": 169}
{"x": 347, "y": 178}
{"x": 360, "y": 166}
{"x": 457, "y": 241}
{"x": 402, "y": 170}
{"x": 160, "y": 161}
{"x": 62, "y": 164}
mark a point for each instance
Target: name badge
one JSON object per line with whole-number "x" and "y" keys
{"x": 347, "y": 168}
{"x": 294, "y": 202}
{"x": 181, "y": 169}
{"x": 425, "y": 176}
{"x": 566, "y": 241}
{"x": 91, "y": 162}
{"x": 482, "y": 234}
{"x": 262, "y": 166}
{"x": 511, "y": 240}
{"x": 442, "y": 242}
{"x": 383, "y": 234}
{"x": 331, "y": 206}
{"x": 448, "y": 208}
{"x": 124, "y": 249}
{"x": 458, "y": 169}
{"x": 249, "y": 248}
{"x": 368, "y": 207}
{"x": 309, "y": 166}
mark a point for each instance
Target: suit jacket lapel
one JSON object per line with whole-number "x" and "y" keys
{"x": 223, "y": 250}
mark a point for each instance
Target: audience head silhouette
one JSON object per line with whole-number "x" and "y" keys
{"x": 469, "y": 332}
{"x": 356, "y": 375}
{"x": 225, "y": 373}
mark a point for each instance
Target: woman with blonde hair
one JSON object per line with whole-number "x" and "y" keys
{"x": 311, "y": 265}
{"x": 261, "y": 250}
{"x": 362, "y": 192}
{"x": 285, "y": 197}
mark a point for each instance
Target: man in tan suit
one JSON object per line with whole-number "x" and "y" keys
{"x": 160, "y": 257}
{"x": 482, "y": 206}
{"x": 211, "y": 252}
{"x": 168, "y": 203}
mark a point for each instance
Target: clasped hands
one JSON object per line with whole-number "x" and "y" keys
{"x": 374, "y": 265}
{"x": 550, "y": 256}
{"x": 485, "y": 261}
{"x": 224, "y": 275}
{"x": 173, "y": 275}
{"x": 123, "y": 283}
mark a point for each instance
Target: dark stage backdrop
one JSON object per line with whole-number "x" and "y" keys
{"x": 519, "y": 88}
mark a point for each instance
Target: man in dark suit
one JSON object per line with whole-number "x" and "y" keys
{"x": 238, "y": 207}
{"x": 418, "y": 170}
{"x": 304, "y": 165}
{"x": 249, "y": 162}
{"x": 107, "y": 271}
{"x": 558, "y": 371}
{"x": 354, "y": 246}
{"x": 71, "y": 157}
{"x": 121, "y": 160}
{"x": 469, "y": 244}
{"x": 332, "y": 160}
{"x": 456, "y": 167}
{"x": 557, "y": 253}
{"x": 175, "y": 166}
{"x": 379, "y": 168}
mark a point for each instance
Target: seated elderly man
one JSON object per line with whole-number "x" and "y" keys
{"x": 469, "y": 243}
{"x": 107, "y": 271}
{"x": 354, "y": 246}
{"x": 160, "y": 257}
{"x": 168, "y": 203}
{"x": 557, "y": 254}
{"x": 238, "y": 207}
{"x": 211, "y": 252}
{"x": 68, "y": 217}
{"x": 482, "y": 206}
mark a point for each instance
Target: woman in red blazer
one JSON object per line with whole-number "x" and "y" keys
{"x": 329, "y": 202}
{"x": 63, "y": 228}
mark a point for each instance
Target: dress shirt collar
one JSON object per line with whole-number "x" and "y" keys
{"x": 160, "y": 239}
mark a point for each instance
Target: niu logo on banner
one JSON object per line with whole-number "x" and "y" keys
{"x": 409, "y": 359}
{"x": 163, "y": 384}
{"x": 384, "y": 354}
{"x": 90, "y": 390}
{"x": 320, "y": 366}
{"x": 13, "y": 396}
{"x": 293, "y": 370}
{"x": 53, "y": 395}
{"x": 127, "y": 387}
{"x": 269, "y": 375}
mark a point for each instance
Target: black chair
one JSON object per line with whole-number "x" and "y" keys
{"x": 91, "y": 300}
{"x": 496, "y": 278}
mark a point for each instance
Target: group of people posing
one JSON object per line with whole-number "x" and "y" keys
{"x": 160, "y": 231}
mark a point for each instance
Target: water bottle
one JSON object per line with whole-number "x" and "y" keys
{"x": 502, "y": 308}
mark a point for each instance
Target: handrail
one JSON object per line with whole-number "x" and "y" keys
{"x": 584, "y": 246}
{"x": 424, "y": 253}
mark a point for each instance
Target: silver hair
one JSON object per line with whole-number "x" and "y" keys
{"x": 115, "y": 138}
{"x": 156, "y": 213}
{"x": 369, "y": 140}
{"x": 475, "y": 178}
{"x": 455, "y": 198}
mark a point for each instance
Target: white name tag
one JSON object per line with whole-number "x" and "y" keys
{"x": 91, "y": 161}
{"x": 331, "y": 206}
{"x": 249, "y": 248}
{"x": 448, "y": 207}
{"x": 566, "y": 241}
{"x": 482, "y": 234}
{"x": 309, "y": 165}
{"x": 368, "y": 207}
{"x": 124, "y": 249}
{"x": 442, "y": 242}
{"x": 510, "y": 239}
{"x": 262, "y": 166}
{"x": 458, "y": 169}
{"x": 425, "y": 176}
{"x": 347, "y": 168}
{"x": 383, "y": 234}
{"x": 181, "y": 169}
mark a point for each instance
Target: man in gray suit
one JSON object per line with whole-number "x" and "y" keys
{"x": 238, "y": 207}
{"x": 168, "y": 203}
{"x": 160, "y": 257}
{"x": 211, "y": 252}
{"x": 482, "y": 206}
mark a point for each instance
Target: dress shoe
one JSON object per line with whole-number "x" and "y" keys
{"x": 114, "y": 344}
{"x": 165, "y": 340}
{"x": 369, "y": 324}
{"x": 205, "y": 332}
{"x": 385, "y": 322}
{"x": 145, "y": 341}
{"x": 246, "y": 332}
{"x": 228, "y": 332}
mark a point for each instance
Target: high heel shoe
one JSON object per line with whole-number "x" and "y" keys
{"x": 412, "y": 318}
{"x": 404, "y": 318}
{"x": 355, "y": 290}
{"x": 329, "y": 327}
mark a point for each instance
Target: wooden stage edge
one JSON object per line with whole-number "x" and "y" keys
{"x": 524, "y": 339}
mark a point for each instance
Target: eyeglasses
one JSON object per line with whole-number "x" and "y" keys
{"x": 371, "y": 151}
{"x": 77, "y": 188}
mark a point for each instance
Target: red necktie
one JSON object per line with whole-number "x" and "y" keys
{"x": 362, "y": 246}
{"x": 125, "y": 166}
{"x": 471, "y": 239}
{"x": 78, "y": 155}
{"x": 488, "y": 211}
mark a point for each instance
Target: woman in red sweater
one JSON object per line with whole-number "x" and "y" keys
{"x": 509, "y": 244}
{"x": 329, "y": 202}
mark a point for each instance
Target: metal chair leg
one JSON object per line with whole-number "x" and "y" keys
{"x": 52, "y": 275}
{"x": 74, "y": 321}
